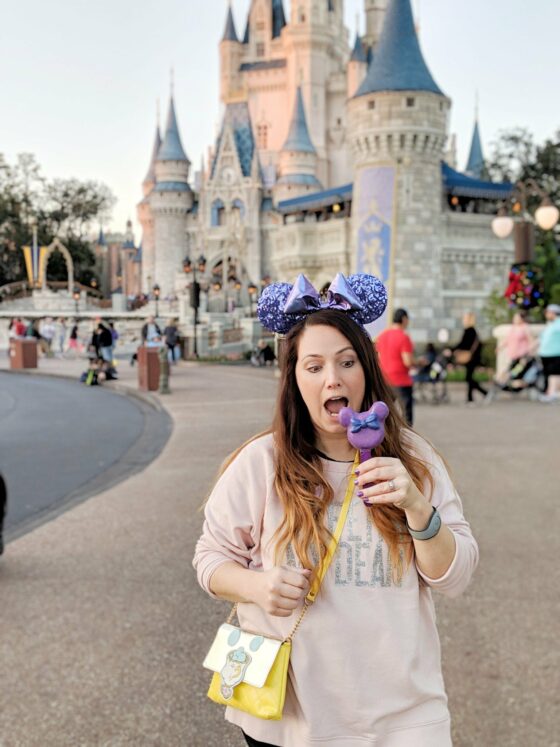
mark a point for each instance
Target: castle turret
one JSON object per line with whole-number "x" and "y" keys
{"x": 231, "y": 54}
{"x": 375, "y": 16}
{"x": 397, "y": 133}
{"x": 475, "y": 165}
{"x": 357, "y": 67}
{"x": 170, "y": 201}
{"x": 146, "y": 219}
{"x": 298, "y": 158}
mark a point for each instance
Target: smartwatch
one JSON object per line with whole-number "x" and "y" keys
{"x": 433, "y": 527}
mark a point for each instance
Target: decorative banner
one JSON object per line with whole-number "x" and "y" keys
{"x": 34, "y": 261}
{"x": 374, "y": 208}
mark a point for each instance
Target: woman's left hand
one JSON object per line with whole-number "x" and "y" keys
{"x": 384, "y": 480}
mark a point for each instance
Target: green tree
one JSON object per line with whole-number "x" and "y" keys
{"x": 66, "y": 208}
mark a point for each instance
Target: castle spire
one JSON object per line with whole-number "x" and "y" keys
{"x": 230, "y": 33}
{"x": 398, "y": 64}
{"x": 171, "y": 148}
{"x": 278, "y": 18}
{"x": 475, "y": 164}
{"x": 358, "y": 53}
{"x": 298, "y": 136}
{"x": 151, "y": 174}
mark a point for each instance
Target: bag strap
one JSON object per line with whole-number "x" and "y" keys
{"x": 318, "y": 580}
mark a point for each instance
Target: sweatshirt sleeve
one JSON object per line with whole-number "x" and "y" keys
{"x": 233, "y": 515}
{"x": 447, "y": 501}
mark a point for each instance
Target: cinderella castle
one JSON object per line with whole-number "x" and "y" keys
{"x": 331, "y": 157}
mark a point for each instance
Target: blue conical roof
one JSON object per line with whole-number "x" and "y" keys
{"x": 171, "y": 149}
{"x": 278, "y": 18}
{"x": 246, "y": 35}
{"x": 298, "y": 137}
{"x": 398, "y": 64}
{"x": 475, "y": 165}
{"x": 230, "y": 34}
{"x": 151, "y": 175}
{"x": 358, "y": 53}
{"x": 101, "y": 238}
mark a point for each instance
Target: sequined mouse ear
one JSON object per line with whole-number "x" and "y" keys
{"x": 270, "y": 305}
{"x": 372, "y": 294}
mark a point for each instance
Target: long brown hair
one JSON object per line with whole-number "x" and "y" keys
{"x": 300, "y": 483}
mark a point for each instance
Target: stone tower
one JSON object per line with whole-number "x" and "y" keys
{"x": 146, "y": 219}
{"x": 170, "y": 201}
{"x": 375, "y": 17}
{"x": 397, "y": 134}
{"x": 231, "y": 55}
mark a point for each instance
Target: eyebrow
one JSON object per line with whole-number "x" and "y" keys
{"x": 338, "y": 352}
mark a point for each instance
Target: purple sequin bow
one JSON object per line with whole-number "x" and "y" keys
{"x": 304, "y": 298}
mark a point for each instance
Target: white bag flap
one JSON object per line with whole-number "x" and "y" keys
{"x": 251, "y": 651}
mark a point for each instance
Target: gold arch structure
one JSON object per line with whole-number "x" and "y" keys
{"x": 45, "y": 255}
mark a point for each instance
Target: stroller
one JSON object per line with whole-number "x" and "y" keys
{"x": 432, "y": 374}
{"x": 524, "y": 374}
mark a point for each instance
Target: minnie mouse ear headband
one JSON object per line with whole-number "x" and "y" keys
{"x": 282, "y": 305}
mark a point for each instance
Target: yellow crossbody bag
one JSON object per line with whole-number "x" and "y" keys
{"x": 251, "y": 670}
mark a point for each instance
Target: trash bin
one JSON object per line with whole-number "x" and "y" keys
{"x": 148, "y": 369}
{"x": 23, "y": 352}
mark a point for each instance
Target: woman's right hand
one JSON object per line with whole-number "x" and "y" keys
{"x": 281, "y": 590}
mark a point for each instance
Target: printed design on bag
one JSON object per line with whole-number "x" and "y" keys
{"x": 233, "y": 671}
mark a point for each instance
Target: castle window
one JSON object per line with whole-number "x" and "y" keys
{"x": 371, "y": 104}
{"x": 238, "y": 207}
{"x": 262, "y": 137}
{"x": 410, "y": 102}
{"x": 218, "y": 214}
{"x": 260, "y": 49}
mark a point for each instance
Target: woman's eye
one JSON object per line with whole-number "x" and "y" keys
{"x": 347, "y": 364}
{"x": 314, "y": 369}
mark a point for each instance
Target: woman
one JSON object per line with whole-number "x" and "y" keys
{"x": 470, "y": 343}
{"x": 171, "y": 337}
{"x": 365, "y": 665}
{"x": 519, "y": 345}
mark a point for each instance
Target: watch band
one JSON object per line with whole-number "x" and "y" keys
{"x": 434, "y": 525}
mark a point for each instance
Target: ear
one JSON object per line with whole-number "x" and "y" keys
{"x": 380, "y": 409}
{"x": 344, "y": 416}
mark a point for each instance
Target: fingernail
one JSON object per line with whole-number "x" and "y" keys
{"x": 368, "y": 503}
{"x": 355, "y": 482}
{"x": 357, "y": 472}
{"x": 360, "y": 494}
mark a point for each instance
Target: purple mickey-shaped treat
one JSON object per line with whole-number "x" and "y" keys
{"x": 366, "y": 430}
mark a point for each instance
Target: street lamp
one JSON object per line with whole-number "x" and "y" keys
{"x": 252, "y": 291}
{"x": 156, "y": 291}
{"x": 188, "y": 267}
{"x": 76, "y": 297}
{"x": 546, "y": 217}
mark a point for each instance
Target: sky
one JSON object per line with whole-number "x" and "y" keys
{"x": 79, "y": 79}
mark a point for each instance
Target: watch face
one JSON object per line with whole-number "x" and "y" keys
{"x": 228, "y": 174}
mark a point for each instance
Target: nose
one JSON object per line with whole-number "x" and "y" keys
{"x": 332, "y": 379}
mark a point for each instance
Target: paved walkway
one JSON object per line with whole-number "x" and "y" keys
{"x": 103, "y": 628}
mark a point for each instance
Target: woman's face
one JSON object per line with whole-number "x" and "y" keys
{"x": 329, "y": 376}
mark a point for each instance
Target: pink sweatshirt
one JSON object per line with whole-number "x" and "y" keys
{"x": 365, "y": 666}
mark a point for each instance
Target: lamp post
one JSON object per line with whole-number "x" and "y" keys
{"x": 252, "y": 291}
{"x": 546, "y": 217}
{"x": 76, "y": 297}
{"x": 156, "y": 292}
{"x": 188, "y": 267}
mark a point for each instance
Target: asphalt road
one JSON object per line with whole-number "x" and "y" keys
{"x": 61, "y": 442}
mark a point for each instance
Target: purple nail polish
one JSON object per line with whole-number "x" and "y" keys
{"x": 355, "y": 482}
{"x": 357, "y": 472}
{"x": 368, "y": 503}
{"x": 360, "y": 494}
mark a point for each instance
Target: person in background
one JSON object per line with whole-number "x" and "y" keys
{"x": 151, "y": 331}
{"x": 470, "y": 342}
{"x": 48, "y": 331}
{"x": 73, "y": 338}
{"x": 61, "y": 335}
{"x": 396, "y": 358}
{"x": 549, "y": 351}
{"x": 171, "y": 336}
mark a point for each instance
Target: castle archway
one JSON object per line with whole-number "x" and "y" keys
{"x": 58, "y": 245}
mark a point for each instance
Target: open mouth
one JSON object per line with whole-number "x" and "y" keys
{"x": 334, "y": 405}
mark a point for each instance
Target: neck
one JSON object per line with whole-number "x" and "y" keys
{"x": 336, "y": 446}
